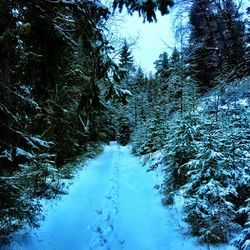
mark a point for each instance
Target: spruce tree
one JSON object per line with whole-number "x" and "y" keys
{"x": 216, "y": 42}
{"x": 162, "y": 66}
{"x": 203, "y": 50}
{"x": 208, "y": 209}
{"x": 182, "y": 146}
{"x": 146, "y": 9}
{"x": 126, "y": 58}
{"x": 230, "y": 42}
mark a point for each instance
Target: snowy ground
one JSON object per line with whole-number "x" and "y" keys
{"x": 111, "y": 205}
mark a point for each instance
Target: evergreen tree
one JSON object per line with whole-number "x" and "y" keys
{"x": 138, "y": 87}
{"x": 176, "y": 83}
{"x": 126, "y": 58}
{"x": 247, "y": 42}
{"x": 146, "y": 9}
{"x": 210, "y": 209}
{"x": 242, "y": 242}
{"x": 216, "y": 42}
{"x": 203, "y": 50}
{"x": 123, "y": 134}
{"x": 162, "y": 66}
{"x": 182, "y": 146}
{"x": 231, "y": 41}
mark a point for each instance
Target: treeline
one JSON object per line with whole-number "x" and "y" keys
{"x": 195, "y": 108}
{"x": 56, "y": 78}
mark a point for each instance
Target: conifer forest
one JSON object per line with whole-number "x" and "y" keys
{"x": 72, "y": 94}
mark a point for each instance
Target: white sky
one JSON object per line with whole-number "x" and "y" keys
{"x": 154, "y": 38}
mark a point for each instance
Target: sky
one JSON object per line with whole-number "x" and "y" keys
{"x": 154, "y": 38}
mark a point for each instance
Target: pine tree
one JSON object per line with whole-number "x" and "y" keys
{"x": 183, "y": 141}
{"x": 231, "y": 41}
{"x": 247, "y": 42}
{"x": 203, "y": 50}
{"x": 216, "y": 42}
{"x": 209, "y": 208}
{"x": 126, "y": 58}
{"x": 176, "y": 83}
{"x": 218, "y": 179}
{"x": 138, "y": 88}
{"x": 162, "y": 66}
{"x": 242, "y": 242}
{"x": 123, "y": 133}
{"x": 146, "y": 9}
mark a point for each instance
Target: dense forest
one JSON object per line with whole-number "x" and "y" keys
{"x": 66, "y": 88}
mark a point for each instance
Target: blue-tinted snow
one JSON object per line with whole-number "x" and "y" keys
{"x": 21, "y": 152}
{"x": 111, "y": 205}
{"x": 6, "y": 154}
{"x": 228, "y": 96}
{"x": 38, "y": 141}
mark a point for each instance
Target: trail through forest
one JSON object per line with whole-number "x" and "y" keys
{"x": 111, "y": 205}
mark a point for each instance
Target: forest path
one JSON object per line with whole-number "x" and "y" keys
{"x": 111, "y": 205}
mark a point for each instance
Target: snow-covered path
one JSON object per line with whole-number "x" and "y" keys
{"x": 111, "y": 205}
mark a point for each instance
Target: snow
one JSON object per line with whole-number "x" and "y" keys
{"x": 35, "y": 142}
{"x": 125, "y": 92}
{"x": 6, "y": 154}
{"x": 96, "y": 2}
{"x": 28, "y": 100}
{"x": 238, "y": 90}
{"x": 246, "y": 245}
{"x": 41, "y": 142}
{"x": 120, "y": 91}
{"x": 111, "y": 205}
{"x": 26, "y": 89}
{"x": 21, "y": 152}
{"x": 243, "y": 102}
